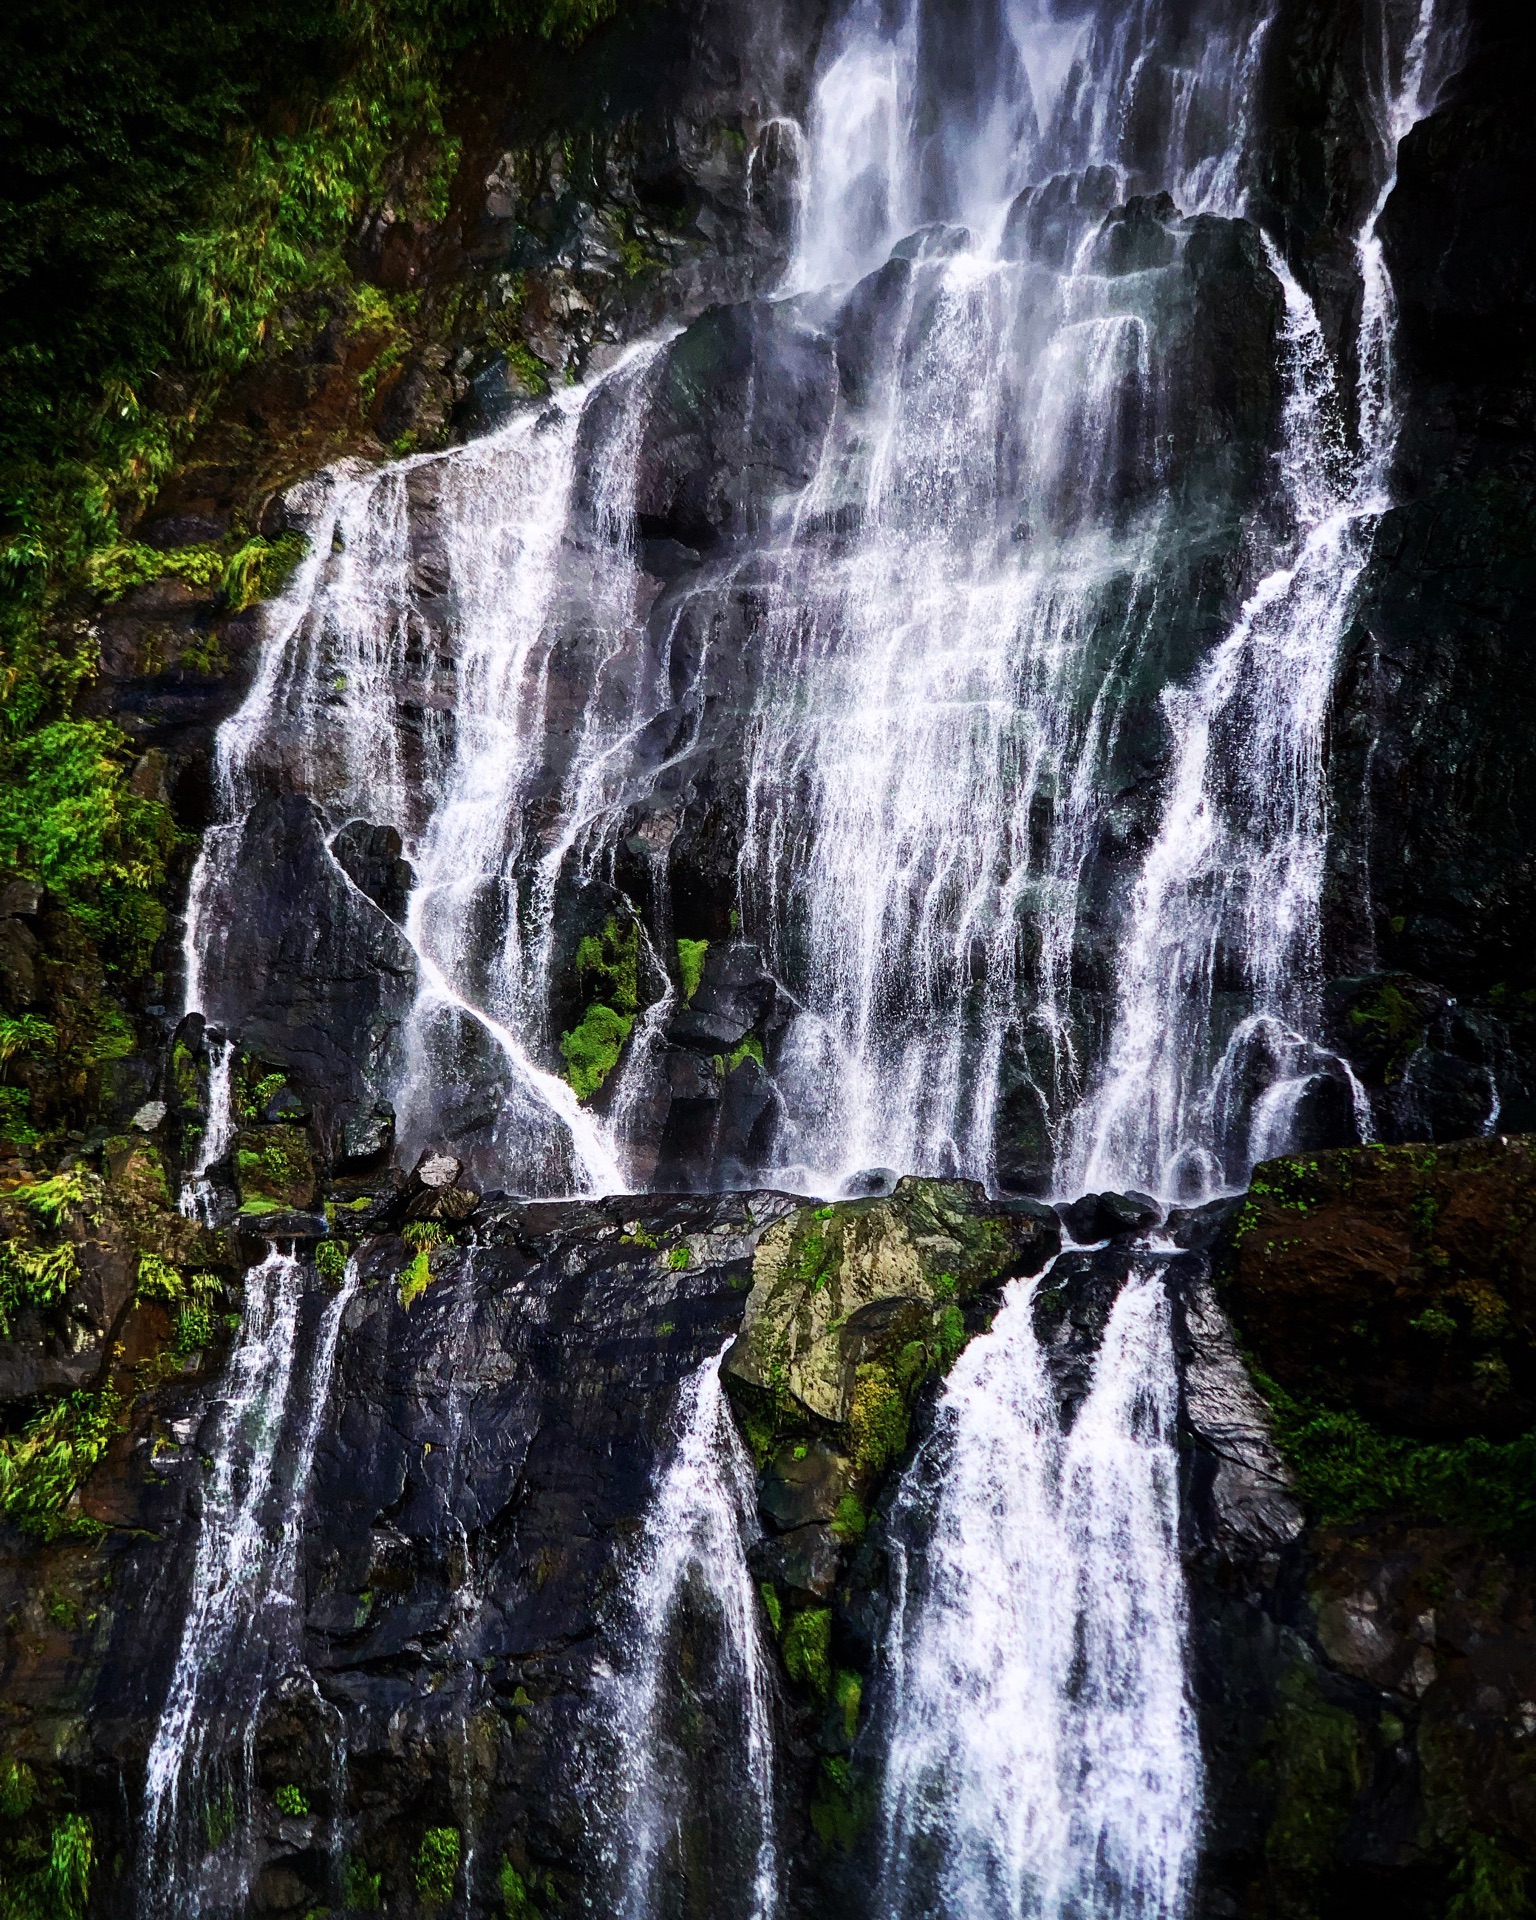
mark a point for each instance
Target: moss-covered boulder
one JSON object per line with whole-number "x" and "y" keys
{"x": 275, "y": 1168}
{"x": 854, "y": 1305}
{"x": 854, "y": 1308}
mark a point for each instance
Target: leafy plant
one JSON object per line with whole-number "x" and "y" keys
{"x": 43, "y": 1465}
{"x": 436, "y": 1865}
{"x": 291, "y": 1802}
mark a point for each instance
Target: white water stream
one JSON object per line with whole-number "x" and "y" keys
{"x": 1041, "y": 1749}
{"x": 243, "y": 1625}
{"x": 690, "y": 1560}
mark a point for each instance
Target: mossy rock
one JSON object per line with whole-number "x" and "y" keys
{"x": 854, "y": 1305}
{"x": 1396, "y": 1283}
{"x": 274, "y": 1164}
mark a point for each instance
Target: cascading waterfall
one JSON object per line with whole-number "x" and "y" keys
{"x": 973, "y": 620}
{"x": 1041, "y": 1753}
{"x": 690, "y": 1577}
{"x": 241, "y": 1632}
{"x": 1236, "y": 870}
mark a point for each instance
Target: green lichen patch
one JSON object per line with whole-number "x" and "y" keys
{"x": 607, "y": 969}
{"x": 690, "y": 965}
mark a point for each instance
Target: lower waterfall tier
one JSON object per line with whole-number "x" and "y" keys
{"x": 557, "y": 1605}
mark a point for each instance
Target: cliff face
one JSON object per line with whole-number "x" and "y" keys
{"x": 475, "y": 1411}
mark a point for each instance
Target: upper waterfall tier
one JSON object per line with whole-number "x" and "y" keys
{"x": 946, "y": 641}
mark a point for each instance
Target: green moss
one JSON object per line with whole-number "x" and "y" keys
{"x": 416, "y": 1278}
{"x": 772, "y": 1606}
{"x": 291, "y": 1802}
{"x": 848, "y": 1695}
{"x": 690, "y": 965}
{"x": 43, "y": 1465}
{"x": 750, "y": 1049}
{"x": 362, "y": 1891}
{"x": 219, "y": 1819}
{"x": 1313, "y": 1756}
{"x": 591, "y": 1049}
{"x": 850, "y": 1522}
{"x": 608, "y": 966}
{"x": 878, "y": 1421}
{"x": 679, "y": 1259}
{"x": 1488, "y": 1883}
{"x": 516, "y": 1896}
{"x": 16, "y": 1117}
{"x": 1392, "y": 1020}
{"x": 1346, "y": 1468}
{"x": 436, "y": 1865}
{"x": 331, "y": 1262}
{"x": 808, "y": 1649}
{"x": 839, "y": 1810}
{"x": 18, "y": 1785}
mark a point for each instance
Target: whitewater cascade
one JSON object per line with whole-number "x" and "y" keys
{"x": 688, "y": 1643}
{"x": 1041, "y": 1756}
{"x": 968, "y": 661}
{"x": 241, "y": 1631}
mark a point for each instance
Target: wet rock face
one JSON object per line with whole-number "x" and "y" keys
{"x": 306, "y": 968}
{"x": 1401, "y": 1281}
{"x": 1366, "y": 1681}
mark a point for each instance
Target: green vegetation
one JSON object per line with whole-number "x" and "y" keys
{"x": 43, "y": 1464}
{"x": 678, "y": 1259}
{"x": 46, "y": 1874}
{"x": 808, "y": 1649}
{"x": 772, "y": 1606}
{"x": 416, "y": 1278}
{"x": 331, "y": 1262}
{"x": 1346, "y": 1468}
{"x": 1488, "y": 1883}
{"x": 291, "y": 1802}
{"x": 33, "y": 1276}
{"x": 516, "y": 1893}
{"x": 219, "y": 1819}
{"x": 850, "y": 1522}
{"x": 436, "y": 1865}
{"x": 839, "y": 1810}
{"x": 608, "y": 979}
{"x": 690, "y": 965}
{"x": 848, "y": 1695}
{"x": 1313, "y": 1755}
{"x": 362, "y": 1891}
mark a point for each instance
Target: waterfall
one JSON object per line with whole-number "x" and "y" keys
{"x": 353, "y": 702}
{"x": 241, "y": 1630}
{"x": 688, "y": 1647}
{"x": 1236, "y": 871}
{"x": 1041, "y": 1754}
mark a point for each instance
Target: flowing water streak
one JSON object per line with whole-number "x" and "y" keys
{"x": 242, "y": 1631}
{"x": 1235, "y": 875}
{"x": 198, "y": 1200}
{"x": 1041, "y": 1751}
{"x": 351, "y": 702}
{"x": 228, "y": 1581}
{"x": 692, "y": 1555}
